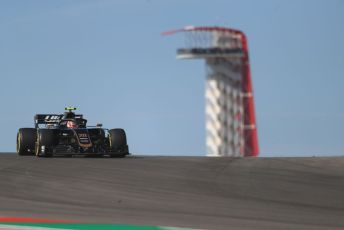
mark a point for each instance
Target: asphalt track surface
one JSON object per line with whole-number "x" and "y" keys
{"x": 195, "y": 192}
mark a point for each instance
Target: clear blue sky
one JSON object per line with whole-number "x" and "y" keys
{"x": 108, "y": 59}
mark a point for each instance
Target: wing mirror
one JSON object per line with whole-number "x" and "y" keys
{"x": 99, "y": 125}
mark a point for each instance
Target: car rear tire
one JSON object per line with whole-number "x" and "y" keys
{"x": 46, "y": 138}
{"x": 118, "y": 143}
{"x": 26, "y": 138}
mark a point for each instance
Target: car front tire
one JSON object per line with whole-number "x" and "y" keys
{"x": 118, "y": 143}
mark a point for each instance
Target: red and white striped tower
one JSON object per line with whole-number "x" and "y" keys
{"x": 230, "y": 117}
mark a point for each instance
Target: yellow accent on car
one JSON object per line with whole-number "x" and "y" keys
{"x": 70, "y": 108}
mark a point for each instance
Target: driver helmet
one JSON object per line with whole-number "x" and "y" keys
{"x": 71, "y": 125}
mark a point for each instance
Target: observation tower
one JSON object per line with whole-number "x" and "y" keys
{"x": 230, "y": 116}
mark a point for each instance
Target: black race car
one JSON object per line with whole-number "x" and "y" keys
{"x": 67, "y": 134}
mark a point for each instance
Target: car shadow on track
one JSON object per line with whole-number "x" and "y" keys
{"x": 95, "y": 156}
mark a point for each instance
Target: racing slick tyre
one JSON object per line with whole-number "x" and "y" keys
{"x": 26, "y": 138}
{"x": 118, "y": 143}
{"x": 45, "y": 142}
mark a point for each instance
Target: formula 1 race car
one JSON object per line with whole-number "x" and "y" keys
{"x": 67, "y": 134}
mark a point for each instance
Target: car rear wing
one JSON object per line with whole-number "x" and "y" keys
{"x": 51, "y": 119}
{"x": 47, "y": 119}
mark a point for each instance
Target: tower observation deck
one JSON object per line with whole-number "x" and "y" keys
{"x": 230, "y": 116}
